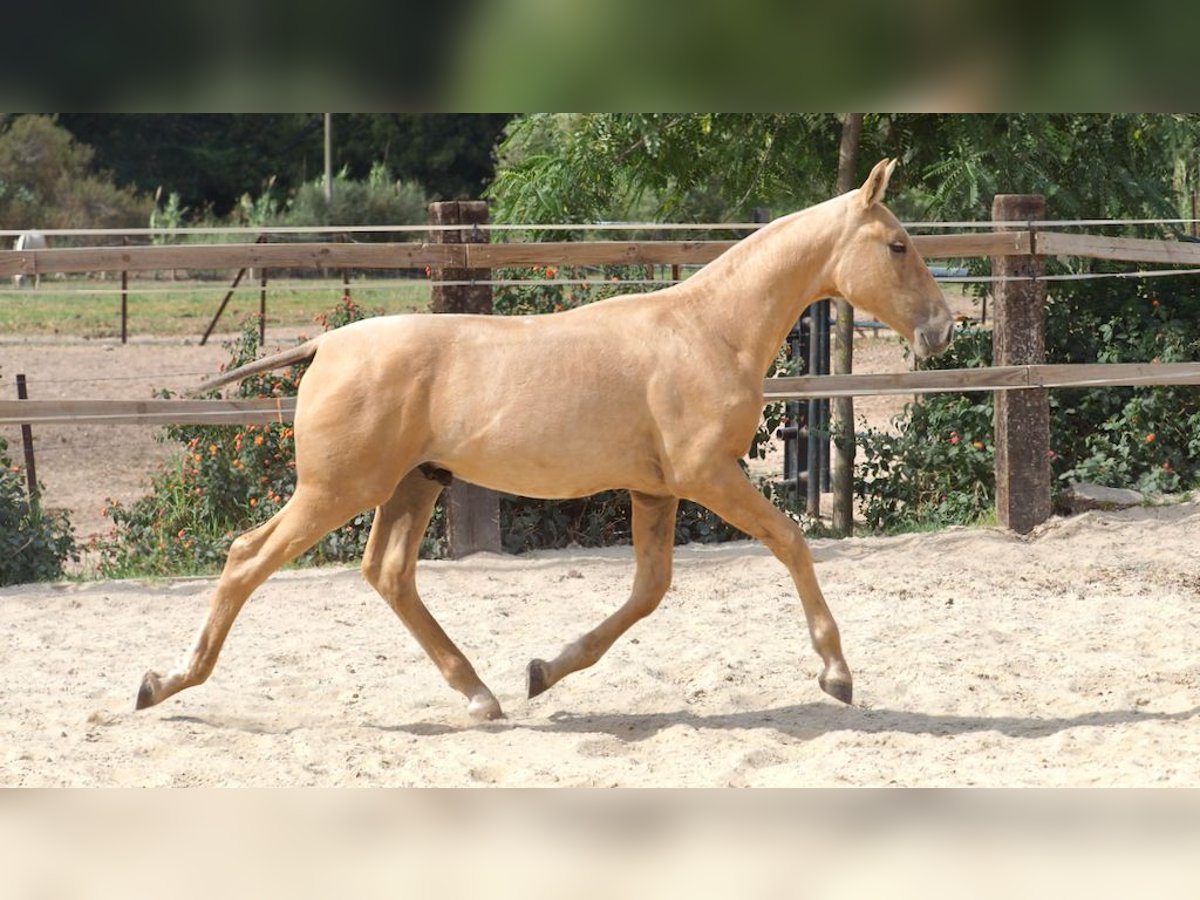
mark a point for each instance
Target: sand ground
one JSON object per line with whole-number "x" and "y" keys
{"x": 1065, "y": 658}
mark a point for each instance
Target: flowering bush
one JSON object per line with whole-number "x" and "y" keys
{"x": 226, "y": 480}
{"x": 34, "y": 544}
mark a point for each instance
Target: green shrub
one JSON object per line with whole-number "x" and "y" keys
{"x": 378, "y": 199}
{"x": 937, "y": 468}
{"x": 34, "y": 544}
{"x": 934, "y": 473}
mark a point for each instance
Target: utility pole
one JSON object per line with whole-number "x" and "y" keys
{"x": 328, "y": 164}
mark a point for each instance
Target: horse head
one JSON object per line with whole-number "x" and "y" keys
{"x": 879, "y": 270}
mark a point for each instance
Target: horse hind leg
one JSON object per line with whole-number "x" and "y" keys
{"x": 303, "y": 521}
{"x": 390, "y": 565}
{"x": 654, "y": 546}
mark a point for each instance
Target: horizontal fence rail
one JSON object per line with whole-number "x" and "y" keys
{"x": 325, "y": 256}
{"x": 416, "y": 255}
{"x": 989, "y": 378}
{"x": 259, "y": 411}
{"x": 283, "y": 409}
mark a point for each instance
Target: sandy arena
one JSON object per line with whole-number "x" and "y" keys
{"x": 1067, "y": 658}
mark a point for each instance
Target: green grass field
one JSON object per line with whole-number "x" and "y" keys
{"x": 92, "y": 308}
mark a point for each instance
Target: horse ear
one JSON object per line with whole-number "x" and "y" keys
{"x": 876, "y": 184}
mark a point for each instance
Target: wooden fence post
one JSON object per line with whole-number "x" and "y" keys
{"x": 1022, "y": 418}
{"x": 31, "y": 481}
{"x": 472, "y": 512}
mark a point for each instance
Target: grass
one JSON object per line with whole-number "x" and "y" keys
{"x": 92, "y": 309}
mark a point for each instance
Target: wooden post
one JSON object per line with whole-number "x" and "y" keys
{"x": 27, "y": 444}
{"x": 472, "y": 512}
{"x": 842, "y": 408}
{"x": 1022, "y": 418}
{"x": 262, "y": 306}
{"x": 124, "y": 307}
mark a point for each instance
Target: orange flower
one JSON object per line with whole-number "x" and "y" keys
{"x": 1150, "y": 438}
{"x": 258, "y": 441}
{"x": 551, "y": 272}
{"x": 253, "y": 502}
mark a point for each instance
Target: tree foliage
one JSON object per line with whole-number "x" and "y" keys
{"x": 584, "y": 167}
{"x": 48, "y": 179}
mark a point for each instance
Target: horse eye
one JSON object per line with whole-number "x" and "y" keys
{"x": 898, "y": 247}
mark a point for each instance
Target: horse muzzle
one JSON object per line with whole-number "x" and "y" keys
{"x": 930, "y": 340}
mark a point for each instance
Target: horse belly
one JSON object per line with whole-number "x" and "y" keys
{"x": 540, "y": 452}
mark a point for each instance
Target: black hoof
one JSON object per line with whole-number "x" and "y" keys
{"x": 535, "y": 678}
{"x": 145, "y": 695}
{"x": 838, "y": 688}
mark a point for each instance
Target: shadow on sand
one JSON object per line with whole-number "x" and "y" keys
{"x": 806, "y": 721}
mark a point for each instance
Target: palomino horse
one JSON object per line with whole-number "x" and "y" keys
{"x": 659, "y": 394}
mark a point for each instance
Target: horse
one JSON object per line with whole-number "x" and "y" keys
{"x": 29, "y": 240}
{"x": 658, "y": 393}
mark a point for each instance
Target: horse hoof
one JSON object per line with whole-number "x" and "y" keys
{"x": 148, "y": 691}
{"x": 485, "y": 709}
{"x": 838, "y": 688}
{"x": 536, "y": 678}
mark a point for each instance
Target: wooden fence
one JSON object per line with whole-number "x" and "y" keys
{"x": 332, "y": 257}
{"x": 261, "y": 411}
{"x": 1021, "y": 239}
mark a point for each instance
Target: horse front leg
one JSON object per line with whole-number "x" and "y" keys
{"x": 728, "y": 493}
{"x": 653, "y": 546}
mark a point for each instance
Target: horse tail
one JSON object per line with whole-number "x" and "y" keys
{"x": 301, "y": 353}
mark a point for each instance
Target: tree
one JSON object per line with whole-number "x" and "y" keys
{"x": 573, "y": 168}
{"x": 48, "y": 180}
{"x": 594, "y": 165}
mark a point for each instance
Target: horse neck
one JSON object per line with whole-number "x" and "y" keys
{"x": 752, "y": 294}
